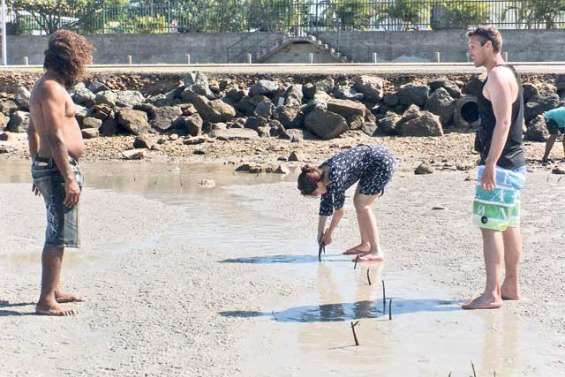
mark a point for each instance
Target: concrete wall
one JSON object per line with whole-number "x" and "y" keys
{"x": 146, "y": 48}
{"x": 299, "y": 53}
{"x": 538, "y": 45}
{"x": 521, "y": 45}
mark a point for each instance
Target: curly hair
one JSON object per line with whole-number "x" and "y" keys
{"x": 67, "y": 55}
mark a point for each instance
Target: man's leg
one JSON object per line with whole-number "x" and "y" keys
{"x": 51, "y": 261}
{"x": 510, "y": 289}
{"x": 548, "y": 147}
{"x": 493, "y": 248}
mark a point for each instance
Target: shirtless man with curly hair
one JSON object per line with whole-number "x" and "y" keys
{"x": 56, "y": 145}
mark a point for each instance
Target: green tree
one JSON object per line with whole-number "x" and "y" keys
{"x": 456, "y": 15}
{"x": 532, "y": 13}
{"x": 408, "y": 12}
{"x": 349, "y": 14}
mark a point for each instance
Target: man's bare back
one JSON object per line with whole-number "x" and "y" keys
{"x": 51, "y": 103}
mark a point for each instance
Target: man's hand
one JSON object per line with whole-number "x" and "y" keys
{"x": 488, "y": 180}
{"x": 35, "y": 190}
{"x": 72, "y": 193}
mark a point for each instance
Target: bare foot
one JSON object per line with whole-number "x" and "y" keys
{"x": 62, "y": 298}
{"x": 509, "y": 291}
{"x": 483, "y": 302}
{"x": 53, "y": 310}
{"x": 371, "y": 257}
{"x": 359, "y": 249}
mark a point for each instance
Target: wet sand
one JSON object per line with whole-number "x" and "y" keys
{"x": 183, "y": 280}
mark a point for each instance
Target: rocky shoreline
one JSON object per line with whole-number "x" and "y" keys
{"x": 257, "y": 122}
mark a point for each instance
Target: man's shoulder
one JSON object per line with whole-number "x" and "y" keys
{"x": 47, "y": 88}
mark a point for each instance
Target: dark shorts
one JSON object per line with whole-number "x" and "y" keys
{"x": 62, "y": 222}
{"x": 380, "y": 172}
{"x": 554, "y": 128}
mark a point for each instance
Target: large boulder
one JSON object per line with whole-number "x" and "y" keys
{"x": 192, "y": 124}
{"x": 129, "y": 98}
{"x": 106, "y": 97}
{"x": 134, "y": 121}
{"x": 83, "y": 96}
{"x": 347, "y": 108}
{"x": 537, "y": 129}
{"x": 3, "y": 121}
{"x": 235, "y": 134}
{"x": 23, "y": 97}
{"x": 90, "y": 133}
{"x": 8, "y": 106}
{"x": 19, "y": 121}
{"x": 413, "y": 94}
{"x": 326, "y": 85}
{"x": 163, "y": 117}
{"x": 289, "y": 116}
{"x": 388, "y": 125}
{"x": 531, "y": 91}
{"x": 419, "y": 123}
{"x": 325, "y": 124}
{"x": 294, "y": 95}
{"x": 370, "y": 86}
{"x": 248, "y": 104}
{"x": 212, "y": 111}
{"x": 109, "y": 127}
{"x": 538, "y": 105}
{"x": 264, "y": 108}
{"x": 474, "y": 86}
{"x": 443, "y": 82}
{"x": 466, "y": 113}
{"x": 346, "y": 92}
{"x": 441, "y": 104}
{"x": 263, "y": 87}
{"x": 91, "y": 122}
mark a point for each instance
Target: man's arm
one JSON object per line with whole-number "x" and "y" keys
{"x": 500, "y": 95}
{"x": 53, "y": 111}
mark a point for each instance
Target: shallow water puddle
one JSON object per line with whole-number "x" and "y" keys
{"x": 310, "y": 334}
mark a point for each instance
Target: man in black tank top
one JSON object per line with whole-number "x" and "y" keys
{"x": 501, "y": 174}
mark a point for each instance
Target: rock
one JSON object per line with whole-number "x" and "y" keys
{"x": 90, "y": 133}
{"x": 255, "y": 123}
{"x": 264, "y": 131}
{"x": 442, "y": 104}
{"x": 208, "y": 183}
{"x": 164, "y": 117}
{"x": 91, "y": 122}
{"x": 309, "y": 90}
{"x": 347, "y": 108}
{"x": 295, "y": 156}
{"x": 143, "y": 141}
{"x": 129, "y": 98}
{"x": 235, "y": 134}
{"x": 263, "y": 87}
{"x": 325, "y": 124}
{"x": 188, "y": 109}
{"x": 558, "y": 170}
{"x": 6, "y": 149}
{"x": 389, "y": 124}
{"x": 325, "y": 85}
{"x": 19, "y": 121}
{"x": 416, "y": 94}
{"x": 423, "y": 168}
{"x": 22, "y": 98}
{"x": 195, "y": 140}
{"x": 294, "y": 95}
{"x": 81, "y": 112}
{"x": 281, "y": 169}
{"x": 538, "y": 105}
{"x": 102, "y": 112}
{"x": 212, "y": 111}
{"x": 345, "y": 92}
{"x": 297, "y": 136}
{"x": 466, "y": 113}
{"x": 390, "y": 99}
{"x": 8, "y": 106}
{"x": 449, "y": 86}
{"x": 419, "y": 123}
{"x": 289, "y": 116}
{"x": 83, "y": 96}
{"x": 537, "y": 129}
{"x": 264, "y": 108}
{"x": 369, "y": 128}
{"x": 276, "y": 128}
{"x": 134, "y": 154}
{"x": 370, "y": 86}
{"x": 355, "y": 122}
{"x": 109, "y": 127}
{"x": 321, "y": 97}
{"x": 218, "y": 126}
{"x": 3, "y": 121}
{"x": 203, "y": 90}
{"x": 243, "y": 168}
{"x": 474, "y": 86}
{"x": 173, "y": 137}
{"x": 134, "y": 121}
{"x": 96, "y": 86}
{"x": 195, "y": 78}
{"x": 106, "y": 97}
{"x": 235, "y": 95}
{"x": 248, "y": 104}
{"x": 192, "y": 125}
{"x": 530, "y": 91}
{"x": 6, "y": 136}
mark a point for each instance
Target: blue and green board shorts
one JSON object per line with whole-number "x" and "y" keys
{"x": 499, "y": 209}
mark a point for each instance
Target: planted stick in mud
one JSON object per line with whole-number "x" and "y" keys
{"x": 320, "y": 249}
{"x": 356, "y": 260}
{"x": 390, "y": 309}
{"x": 384, "y": 297}
{"x": 474, "y": 371}
{"x": 369, "y": 276}
{"x": 353, "y": 324}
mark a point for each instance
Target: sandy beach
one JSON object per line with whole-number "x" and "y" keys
{"x": 186, "y": 280}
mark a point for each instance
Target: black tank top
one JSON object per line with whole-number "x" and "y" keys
{"x": 512, "y": 156}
